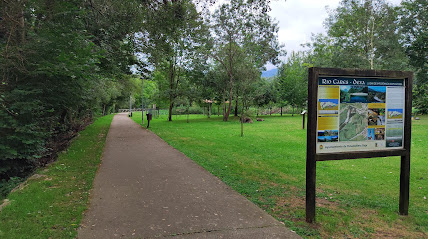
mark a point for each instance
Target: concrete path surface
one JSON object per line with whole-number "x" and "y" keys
{"x": 144, "y": 188}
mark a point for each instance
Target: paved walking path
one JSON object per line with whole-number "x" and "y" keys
{"x": 145, "y": 189}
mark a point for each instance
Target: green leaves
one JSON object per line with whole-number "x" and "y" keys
{"x": 292, "y": 81}
{"x": 61, "y": 62}
{"x": 361, "y": 34}
{"x": 374, "y": 34}
{"x": 414, "y": 27}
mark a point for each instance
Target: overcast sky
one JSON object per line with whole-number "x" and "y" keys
{"x": 299, "y": 18}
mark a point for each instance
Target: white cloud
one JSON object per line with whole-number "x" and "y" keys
{"x": 298, "y": 19}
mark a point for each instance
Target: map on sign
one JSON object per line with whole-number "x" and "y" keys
{"x": 359, "y": 114}
{"x": 352, "y": 126}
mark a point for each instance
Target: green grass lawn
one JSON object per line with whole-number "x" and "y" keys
{"x": 355, "y": 198}
{"x": 50, "y": 204}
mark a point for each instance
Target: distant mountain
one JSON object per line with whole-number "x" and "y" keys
{"x": 270, "y": 73}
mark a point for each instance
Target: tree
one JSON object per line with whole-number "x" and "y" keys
{"x": 242, "y": 30}
{"x": 365, "y": 35}
{"x": 292, "y": 80}
{"x": 264, "y": 94}
{"x": 322, "y": 51}
{"x": 247, "y": 78}
{"x": 215, "y": 84}
{"x": 414, "y": 27}
{"x": 174, "y": 44}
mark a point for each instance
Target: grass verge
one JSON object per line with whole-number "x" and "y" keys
{"x": 355, "y": 198}
{"x": 51, "y": 202}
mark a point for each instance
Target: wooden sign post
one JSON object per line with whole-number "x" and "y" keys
{"x": 304, "y": 116}
{"x": 358, "y": 114}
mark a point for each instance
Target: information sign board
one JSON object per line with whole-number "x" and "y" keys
{"x": 358, "y": 114}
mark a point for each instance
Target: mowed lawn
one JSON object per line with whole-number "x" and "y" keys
{"x": 355, "y": 198}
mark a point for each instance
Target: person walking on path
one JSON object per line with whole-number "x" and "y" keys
{"x": 145, "y": 188}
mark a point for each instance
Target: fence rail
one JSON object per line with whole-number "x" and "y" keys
{"x": 127, "y": 110}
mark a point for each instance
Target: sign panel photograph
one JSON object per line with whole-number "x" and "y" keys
{"x": 359, "y": 114}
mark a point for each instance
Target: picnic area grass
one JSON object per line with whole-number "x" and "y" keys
{"x": 50, "y": 204}
{"x": 355, "y": 198}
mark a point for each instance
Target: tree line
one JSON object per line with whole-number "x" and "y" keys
{"x": 65, "y": 62}
{"x": 62, "y": 63}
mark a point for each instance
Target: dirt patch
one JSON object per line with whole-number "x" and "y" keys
{"x": 397, "y": 231}
{"x": 24, "y": 184}
{"x": 20, "y": 187}
{"x": 286, "y": 204}
{"x": 185, "y": 138}
{"x": 36, "y": 176}
{"x": 287, "y": 177}
{"x": 4, "y": 204}
{"x": 321, "y": 202}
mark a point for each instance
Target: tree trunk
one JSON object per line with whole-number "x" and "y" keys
{"x": 236, "y": 106}
{"x": 209, "y": 110}
{"x": 218, "y": 110}
{"x": 226, "y": 116}
{"x": 22, "y": 26}
{"x": 171, "y": 89}
{"x": 224, "y": 103}
{"x": 171, "y": 105}
{"x": 242, "y": 125}
{"x": 242, "y": 120}
{"x": 371, "y": 44}
{"x": 188, "y": 113}
{"x": 229, "y": 108}
{"x": 281, "y": 110}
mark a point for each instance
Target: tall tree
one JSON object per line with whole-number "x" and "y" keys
{"x": 242, "y": 29}
{"x": 366, "y": 34}
{"x": 175, "y": 43}
{"x": 414, "y": 27}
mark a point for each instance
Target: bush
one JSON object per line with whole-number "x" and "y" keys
{"x": 8, "y": 185}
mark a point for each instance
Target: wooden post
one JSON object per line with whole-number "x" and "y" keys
{"x": 303, "y": 127}
{"x": 405, "y": 159}
{"x": 311, "y": 162}
{"x": 404, "y": 185}
{"x": 311, "y": 166}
